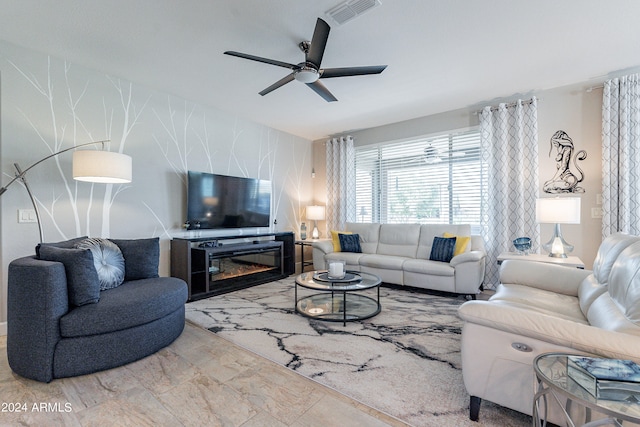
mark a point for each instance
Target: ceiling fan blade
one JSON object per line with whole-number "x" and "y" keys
{"x": 351, "y": 71}
{"x": 260, "y": 59}
{"x": 318, "y": 43}
{"x": 321, "y": 90}
{"x": 283, "y": 81}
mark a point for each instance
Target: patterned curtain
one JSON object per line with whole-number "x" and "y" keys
{"x": 341, "y": 182}
{"x": 509, "y": 145}
{"x": 621, "y": 155}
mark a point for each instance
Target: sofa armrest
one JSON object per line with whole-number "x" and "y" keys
{"x": 320, "y": 249}
{"x": 532, "y": 324}
{"x": 470, "y": 269}
{"x": 549, "y": 277}
{"x": 472, "y": 256}
{"x": 36, "y": 300}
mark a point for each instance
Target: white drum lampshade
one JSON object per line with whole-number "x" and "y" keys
{"x": 101, "y": 166}
{"x": 558, "y": 210}
{"x": 315, "y": 213}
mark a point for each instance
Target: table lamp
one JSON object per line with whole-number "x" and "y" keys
{"x": 558, "y": 210}
{"x": 315, "y": 213}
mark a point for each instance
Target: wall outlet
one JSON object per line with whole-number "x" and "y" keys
{"x": 596, "y": 212}
{"x": 27, "y": 215}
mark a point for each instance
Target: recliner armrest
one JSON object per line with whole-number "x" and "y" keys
{"x": 36, "y": 300}
{"x": 550, "y": 277}
{"x": 528, "y": 323}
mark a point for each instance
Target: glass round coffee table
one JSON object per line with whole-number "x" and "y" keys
{"x": 554, "y": 385}
{"x": 338, "y": 300}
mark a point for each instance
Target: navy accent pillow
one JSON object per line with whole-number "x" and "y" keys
{"x": 83, "y": 285}
{"x": 442, "y": 249}
{"x": 141, "y": 257}
{"x": 67, "y": 244}
{"x": 350, "y": 243}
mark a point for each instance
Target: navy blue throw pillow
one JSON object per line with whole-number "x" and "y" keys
{"x": 350, "y": 243}
{"x": 141, "y": 257}
{"x": 83, "y": 285}
{"x": 442, "y": 249}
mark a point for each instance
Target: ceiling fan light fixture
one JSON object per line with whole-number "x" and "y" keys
{"x": 306, "y": 75}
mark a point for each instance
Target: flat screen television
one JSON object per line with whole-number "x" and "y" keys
{"x": 222, "y": 201}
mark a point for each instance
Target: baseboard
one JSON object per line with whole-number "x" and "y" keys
{"x": 3, "y": 328}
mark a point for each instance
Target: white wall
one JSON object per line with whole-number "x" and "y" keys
{"x": 49, "y": 104}
{"x": 570, "y": 108}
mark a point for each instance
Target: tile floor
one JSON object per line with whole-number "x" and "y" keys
{"x": 199, "y": 380}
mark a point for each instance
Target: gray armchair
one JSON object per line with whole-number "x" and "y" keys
{"x": 48, "y": 337}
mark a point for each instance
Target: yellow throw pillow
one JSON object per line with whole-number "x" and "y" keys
{"x": 461, "y": 243}
{"x": 335, "y": 239}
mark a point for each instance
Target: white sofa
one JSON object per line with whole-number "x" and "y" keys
{"x": 399, "y": 254}
{"x": 540, "y": 308}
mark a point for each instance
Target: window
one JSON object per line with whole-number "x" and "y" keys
{"x": 430, "y": 180}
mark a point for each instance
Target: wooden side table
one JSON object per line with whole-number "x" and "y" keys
{"x": 570, "y": 261}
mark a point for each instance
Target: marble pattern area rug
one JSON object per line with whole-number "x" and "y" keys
{"x": 405, "y": 361}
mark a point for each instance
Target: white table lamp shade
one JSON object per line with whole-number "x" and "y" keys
{"x": 101, "y": 166}
{"x": 315, "y": 213}
{"x": 558, "y": 210}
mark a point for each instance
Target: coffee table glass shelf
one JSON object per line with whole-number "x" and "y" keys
{"x": 338, "y": 300}
{"x": 553, "y": 382}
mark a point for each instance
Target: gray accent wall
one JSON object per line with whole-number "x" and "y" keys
{"x": 49, "y": 104}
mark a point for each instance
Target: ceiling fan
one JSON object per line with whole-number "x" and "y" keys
{"x": 309, "y": 71}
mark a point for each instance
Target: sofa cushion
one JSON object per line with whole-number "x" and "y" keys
{"x": 350, "y": 243}
{"x": 108, "y": 261}
{"x": 433, "y": 268}
{"x": 388, "y": 262}
{"x": 588, "y": 291}
{"x": 442, "y": 249}
{"x": 141, "y": 257}
{"x": 608, "y": 252}
{"x": 369, "y": 235}
{"x": 131, "y": 304}
{"x": 624, "y": 283}
{"x": 605, "y": 314}
{"x": 351, "y": 258}
{"x": 398, "y": 240}
{"x": 83, "y": 285}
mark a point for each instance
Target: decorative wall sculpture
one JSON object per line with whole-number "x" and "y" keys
{"x": 564, "y": 180}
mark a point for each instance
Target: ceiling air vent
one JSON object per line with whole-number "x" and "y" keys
{"x": 350, "y": 9}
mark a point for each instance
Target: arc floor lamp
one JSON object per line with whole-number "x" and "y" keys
{"x": 99, "y": 166}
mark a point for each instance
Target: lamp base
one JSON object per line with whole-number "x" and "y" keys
{"x": 557, "y": 246}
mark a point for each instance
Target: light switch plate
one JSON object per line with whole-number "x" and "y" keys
{"x": 27, "y": 215}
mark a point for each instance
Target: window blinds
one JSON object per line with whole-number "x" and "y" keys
{"x": 434, "y": 180}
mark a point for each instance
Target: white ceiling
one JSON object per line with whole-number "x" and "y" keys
{"x": 441, "y": 54}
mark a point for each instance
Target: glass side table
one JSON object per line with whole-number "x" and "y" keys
{"x": 553, "y": 382}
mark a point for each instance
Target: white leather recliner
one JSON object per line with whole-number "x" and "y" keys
{"x": 540, "y": 308}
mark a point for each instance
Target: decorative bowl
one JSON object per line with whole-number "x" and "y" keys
{"x": 522, "y": 244}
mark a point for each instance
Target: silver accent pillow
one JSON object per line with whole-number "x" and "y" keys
{"x": 107, "y": 259}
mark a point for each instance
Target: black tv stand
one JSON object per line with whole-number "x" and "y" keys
{"x": 221, "y": 264}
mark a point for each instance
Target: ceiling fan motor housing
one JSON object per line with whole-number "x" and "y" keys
{"x": 306, "y": 74}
